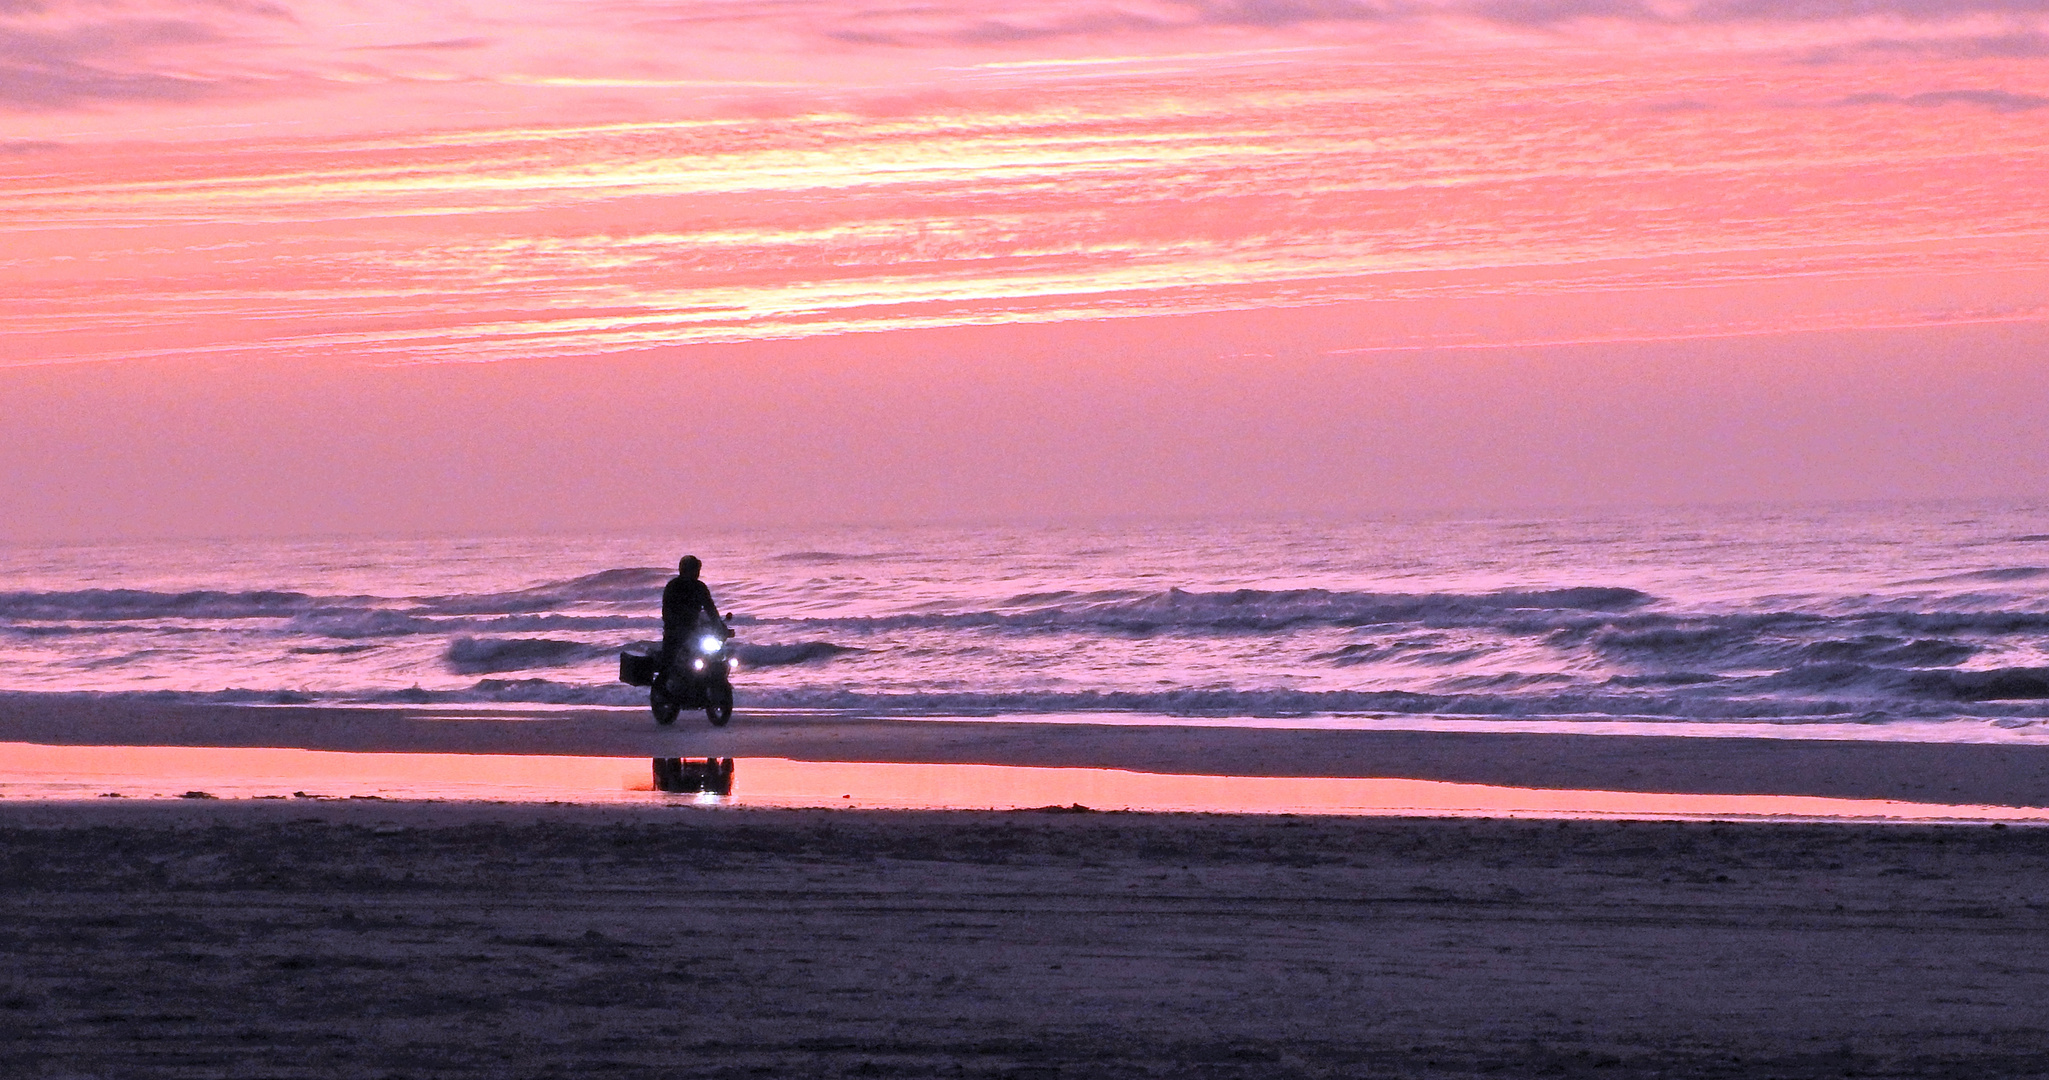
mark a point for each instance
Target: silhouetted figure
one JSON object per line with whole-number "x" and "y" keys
{"x": 694, "y": 670}
{"x": 685, "y": 600}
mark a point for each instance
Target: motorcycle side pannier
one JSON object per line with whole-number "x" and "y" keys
{"x": 637, "y": 664}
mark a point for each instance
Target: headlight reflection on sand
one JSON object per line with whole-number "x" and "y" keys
{"x": 56, "y": 773}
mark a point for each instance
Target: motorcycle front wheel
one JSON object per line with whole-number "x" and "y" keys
{"x": 665, "y": 708}
{"x": 718, "y": 704}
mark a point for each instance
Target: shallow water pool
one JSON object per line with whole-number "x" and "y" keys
{"x": 34, "y": 771}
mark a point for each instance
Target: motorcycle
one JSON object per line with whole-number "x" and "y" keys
{"x": 698, "y": 676}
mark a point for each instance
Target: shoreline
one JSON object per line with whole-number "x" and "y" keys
{"x": 1947, "y": 773}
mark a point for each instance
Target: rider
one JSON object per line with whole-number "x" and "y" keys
{"x": 685, "y": 600}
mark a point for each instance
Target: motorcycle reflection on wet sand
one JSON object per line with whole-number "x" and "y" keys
{"x": 686, "y": 776}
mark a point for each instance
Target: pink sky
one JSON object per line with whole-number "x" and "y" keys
{"x": 381, "y": 266}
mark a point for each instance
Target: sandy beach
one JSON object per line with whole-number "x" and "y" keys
{"x": 366, "y": 939}
{"x": 1975, "y": 774}
{"x": 345, "y": 938}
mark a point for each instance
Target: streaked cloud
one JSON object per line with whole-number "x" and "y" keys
{"x": 431, "y": 46}
{"x": 107, "y": 54}
{"x": 1968, "y": 45}
{"x": 59, "y": 54}
{"x": 1015, "y": 23}
{"x": 423, "y": 183}
{"x": 72, "y": 66}
{"x": 1996, "y": 100}
{"x": 1476, "y": 186}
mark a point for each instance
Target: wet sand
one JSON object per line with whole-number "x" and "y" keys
{"x": 367, "y": 939}
{"x": 1998, "y": 775}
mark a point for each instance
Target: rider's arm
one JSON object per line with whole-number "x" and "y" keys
{"x": 711, "y": 608}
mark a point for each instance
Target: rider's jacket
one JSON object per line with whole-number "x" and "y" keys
{"x": 683, "y": 599}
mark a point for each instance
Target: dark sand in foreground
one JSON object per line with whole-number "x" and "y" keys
{"x": 367, "y": 939}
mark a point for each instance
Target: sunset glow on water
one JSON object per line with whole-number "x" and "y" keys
{"x": 155, "y": 772}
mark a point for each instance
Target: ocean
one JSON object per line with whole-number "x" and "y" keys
{"x": 1919, "y": 621}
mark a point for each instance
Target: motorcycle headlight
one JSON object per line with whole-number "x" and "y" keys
{"x": 710, "y": 644}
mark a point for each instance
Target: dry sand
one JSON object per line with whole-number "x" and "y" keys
{"x": 364, "y": 939}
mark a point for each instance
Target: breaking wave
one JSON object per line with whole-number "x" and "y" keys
{"x": 1261, "y": 610}
{"x": 492, "y": 655}
{"x": 359, "y": 623}
{"x": 542, "y": 606}
{"x": 105, "y": 610}
{"x": 1609, "y": 619}
{"x": 128, "y": 604}
{"x": 1789, "y": 639}
{"x": 476, "y": 656}
{"x": 635, "y": 585}
{"x": 1996, "y": 684}
{"x": 629, "y": 585}
{"x": 785, "y": 655}
{"x": 828, "y": 558}
{"x": 2004, "y": 573}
